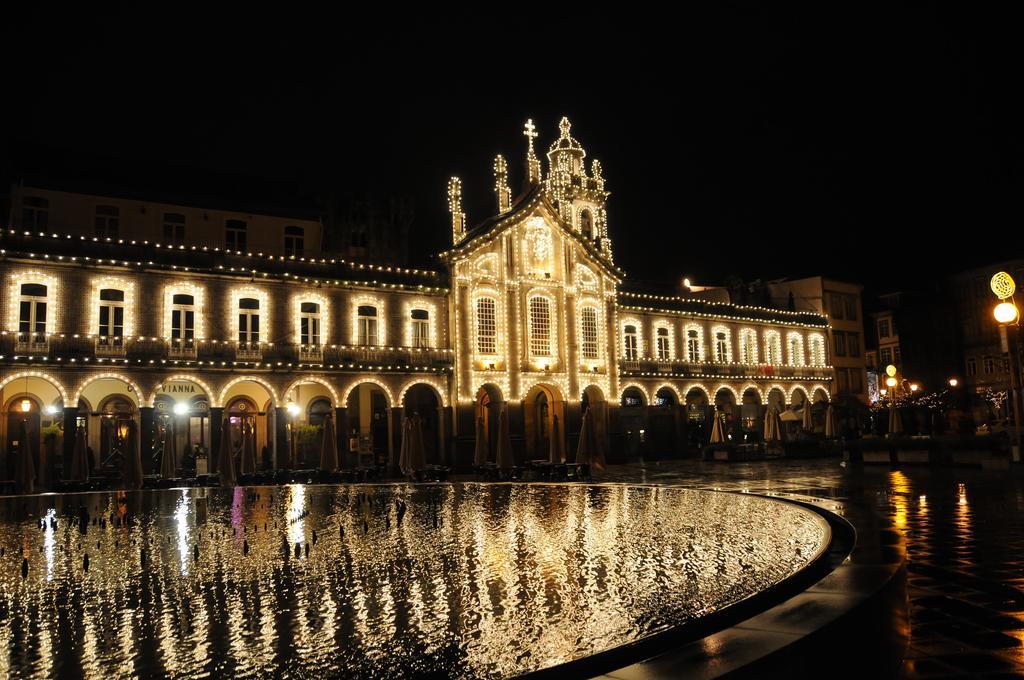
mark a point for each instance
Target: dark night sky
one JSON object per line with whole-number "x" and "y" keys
{"x": 755, "y": 142}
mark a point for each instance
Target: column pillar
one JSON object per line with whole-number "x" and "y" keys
{"x": 281, "y": 450}
{"x": 216, "y": 428}
{"x": 342, "y": 435}
{"x": 395, "y": 418}
{"x": 442, "y": 435}
{"x": 70, "y": 432}
{"x": 146, "y": 437}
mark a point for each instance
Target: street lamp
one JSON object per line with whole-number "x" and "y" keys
{"x": 1008, "y": 317}
{"x": 180, "y": 408}
{"x": 953, "y": 382}
{"x": 914, "y": 387}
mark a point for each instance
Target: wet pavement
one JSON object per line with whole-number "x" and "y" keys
{"x": 964, "y": 532}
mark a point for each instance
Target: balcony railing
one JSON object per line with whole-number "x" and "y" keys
{"x": 709, "y": 368}
{"x": 35, "y": 343}
{"x": 223, "y": 353}
{"x": 249, "y": 351}
{"x": 110, "y": 346}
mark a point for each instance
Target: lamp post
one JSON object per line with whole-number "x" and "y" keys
{"x": 1008, "y": 317}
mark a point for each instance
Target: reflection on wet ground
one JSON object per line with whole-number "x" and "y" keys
{"x": 964, "y": 530}
{"x": 384, "y": 581}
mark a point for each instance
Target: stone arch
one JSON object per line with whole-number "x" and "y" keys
{"x": 56, "y": 384}
{"x": 793, "y": 392}
{"x": 363, "y": 380}
{"x": 274, "y": 398}
{"x": 757, "y": 390}
{"x": 776, "y": 397}
{"x": 542, "y": 404}
{"x": 817, "y": 390}
{"x": 730, "y": 389}
{"x": 139, "y": 398}
{"x": 639, "y": 388}
{"x": 672, "y": 388}
{"x": 438, "y": 392}
{"x": 320, "y": 380}
{"x": 211, "y": 394}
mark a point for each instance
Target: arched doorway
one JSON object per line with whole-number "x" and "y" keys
{"x": 752, "y": 415}
{"x": 725, "y": 408}
{"x": 308, "y": 405}
{"x": 541, "y": 407}
{"x": 489, "y": 402}
{"x": 663, "y": 411}
{"x": 116, "y": 403}
{"x": 421, "y": 400}
{"x": 633, "y": 420}
{"x": 777, "y": 400}
{"x": 697, "y": 426}
{"x": 251, "y": 409}
{"x": 819, "y": 409}
{"x": 181, "y": 418}
{"x": 367, "y": 408}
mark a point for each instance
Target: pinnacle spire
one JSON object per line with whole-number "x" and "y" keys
{"x": 532, "y": 163}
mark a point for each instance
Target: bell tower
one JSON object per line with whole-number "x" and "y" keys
{"x": 580, "y": 198}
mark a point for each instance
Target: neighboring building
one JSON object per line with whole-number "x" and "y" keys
{"x": 103, "y": 329}
{"x": 112, "y": 218}
{"x": 984, "y": 364}
{"x": 841, "y": 303}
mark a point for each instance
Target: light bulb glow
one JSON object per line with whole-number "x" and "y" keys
{"x": 1005, "y": 312}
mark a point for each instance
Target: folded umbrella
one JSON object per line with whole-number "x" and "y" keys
{"x": 25, "y": 474}
{"x": 329, "y": 447}
{"x": 226, "y": 461}
{"x": 506, "y": 458}
{"x": 168, "y": 464}
{"x": 480, "y": 452}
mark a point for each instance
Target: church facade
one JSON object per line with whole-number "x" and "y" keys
{"x": 531, "y": 316}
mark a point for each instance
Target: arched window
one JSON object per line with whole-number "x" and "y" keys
{"x": 111, "y": 329}
{"x": 693, "y": 348}
{"x": 630, "y": 342}
{"x": 319, "y": 411}
{"x": 795, "y": 345}
{"x": 486, "y": 326}
{"x": 587, "y": 224}
{"x": 723, "y": 353}
{"x": 588, "y": 333}
{"x": 420, "y": 320}
{"x": 772, "y": 348}
{"x": 540, "y": 326}
{"x": 748, "y": 346}
{"x": 309, "y": 324}
{"x": 816, "y": 350}
{"x": 367, "y": 325}
{"x": 248, "y": 322}
{"x": 294, "y": 241}
{"x": 663, "y": 345}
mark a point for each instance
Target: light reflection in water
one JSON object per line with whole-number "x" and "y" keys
{"x": 476, "y": 581}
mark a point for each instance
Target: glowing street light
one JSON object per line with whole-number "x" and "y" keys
{"x": 1008, "y": 317}
{"x": 953, "y": 382}
{"x": 914, "y": 387}
{"x": 891, "y": 382}
{"x": 180, "y": 408}
{"x": 26, "y": 405}
{"x": 1006, "y": 313}
{"x": 293, "y": 408}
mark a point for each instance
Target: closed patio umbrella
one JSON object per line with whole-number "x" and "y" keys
{"x": 168, "y": 463}
{"x": 717, "y": 435}
{"x": 25, "y": 474}
{"x": 597, "y": 440}
{"x": 247, "y": 464}
{"x": 403, "y": 449}
{"x": 771, "y": 425}
{"x": 555, "y": 449}
{"x": 585, "y": 449}
{"x": 830, "y": 423}
{"x": 480, "y": 451}
{"x": 807, "y": 424}
{"x": 895, "y": 421}
{"x": 506, "y": 459}
{"x": 417, "y": 451}
{"x": 226, "y": 461}
{"x": 132, "y": 465}
{"x": 79, "y": 471}
{"x": 329, "y": 447}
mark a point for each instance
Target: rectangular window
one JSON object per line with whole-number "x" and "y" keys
{"x": 662, "y": 345}
{"x": 972, "y": 366}
{"x": 883, "y": 328}
{"x": 540, "y": 326}
{"x": 108, "y": 221}
{"x": 837, "y": 306}
{"x": 853, "y": 344}
{"x": 235, "y": 234}
{"x": 839, "y": 340}
{"x": 35, "y": 213}
{"x": 309, "y": 324}
{"x": 896, "y": 358}
{"x": 885, "y": 355}
{"x": 111, "y": 330}
{"x": 851, "y": 308}
{"x": 367, "y": 325}
{"x": 721, "y": 347}
{"x": 990, "y": 365}
{"x": 248, "y": 322}
{"x": 32, "y": 313}
{"x": 630, "y": 343}
{"x": 856, "y": 381}
{"x": 693, "y": 346}
{"x": 842, "y": 380}
{"x": 174, "y": 229}
{"x": 588, "y": 333}
{"x": 420, "y": 328}
{"x": 294, "y": 241}
{"x": 486, "y": 328}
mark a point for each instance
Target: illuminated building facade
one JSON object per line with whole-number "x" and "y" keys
{"x": 532, "y": 316}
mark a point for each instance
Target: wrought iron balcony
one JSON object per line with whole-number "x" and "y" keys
{"x": 32, "y": 343}
{"x": 249, "y": 351}
{"x": 110, "y": 346}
